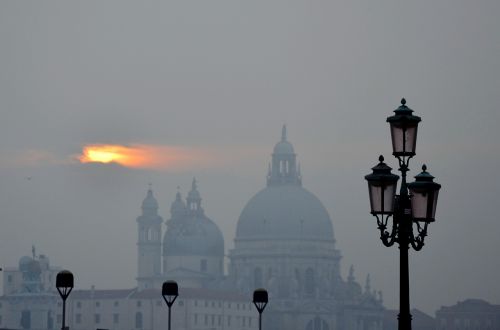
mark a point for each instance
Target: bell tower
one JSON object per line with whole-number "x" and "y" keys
{"x": 149, "y": 243}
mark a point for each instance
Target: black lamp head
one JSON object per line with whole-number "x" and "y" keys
{"x": 170, "y": 292}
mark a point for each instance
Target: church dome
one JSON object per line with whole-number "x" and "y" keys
{"x": 191, "y": 233}
{"x": 284, "y": 212}
{"x": 150, "y": 202}
{"x": 194, "y": 236}
{"x": 284, "y": 209}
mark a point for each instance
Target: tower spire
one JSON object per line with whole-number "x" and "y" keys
{"x": 283, "y": 133}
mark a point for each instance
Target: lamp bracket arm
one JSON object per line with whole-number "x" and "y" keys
{"x": 388, "y": 239}
{"x": 417, "y": 242}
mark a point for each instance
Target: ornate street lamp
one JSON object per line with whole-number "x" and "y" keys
{"x": 260, "y": 299}
{"x": 64, "y": 284}
{"x": 413, "y": 209}
{"x": 170, "y": 292}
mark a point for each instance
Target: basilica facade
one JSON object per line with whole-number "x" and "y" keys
{"x": 284, "y": 243}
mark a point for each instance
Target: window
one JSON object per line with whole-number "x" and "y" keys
{"x": 206, "y": 319}
{"x": 249, "y": 322}
{"x": 213, "y": 319}
{"x": 116, "y": 303}
{"x": 219, "y": 320}
{"x": 138, "y": 320}
{"x": 139, "y": 303}
{"x": 309, "y": 284}
{"x": 0, "y": 319}
{"x": 203, "y": 265}
{"x": 243, "y": 322}
{"x": 213, "y": 303}
{"x": 59, "y": 318}
{"x": 78, "y": 304}
{"x": 317, "y": 324}
{"x": 116, "y": 318}
{"x": 26, "y": 319}
{"x": 97, "y": 318}
{"x": 0, "y": 305}
{"x": 229, "y": 321}
{"x": 50, "y": 320}
{"x": 78, "y": 318}
{"x": 206, "y": 303}
{"x": 97, "y": 304}
{"x": 196, "y": 302}
{"x": 195, "y": 318}
{"x": 9, "y": 278}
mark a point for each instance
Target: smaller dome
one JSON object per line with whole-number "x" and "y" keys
{"x": 178, "y": 207}
{"x": 150, "y": 203}
{"x": 193, "y": 236}
{"x": 283, "y": 147}
{"x": 24, "y": 263}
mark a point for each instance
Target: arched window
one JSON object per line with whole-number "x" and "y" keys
{"x": 257, "y": 278}
{"x": 26, "y": 319}
{"x": 317, "y": 324}
{"x": 138, "y": 320}
{"x": 309, "y": 282}
{"x": 50, "y": 320}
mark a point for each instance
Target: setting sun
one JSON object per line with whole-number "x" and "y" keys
{"x": 145, "y": 156}
{"x": 102, "y": 154}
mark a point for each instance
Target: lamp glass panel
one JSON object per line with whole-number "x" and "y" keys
{"x": 404, "y": 140}
{"x": 421, "y": 210}
{"x": 376, "y": 192}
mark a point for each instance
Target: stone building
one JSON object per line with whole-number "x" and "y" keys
{"x": 470, "y": 314}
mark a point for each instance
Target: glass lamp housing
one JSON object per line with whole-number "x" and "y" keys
{"x": 382, "y": 188}
{"x": 404, "y": 127}
{"x": 424, "y": 194}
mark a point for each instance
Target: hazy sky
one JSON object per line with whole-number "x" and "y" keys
{"x": 218, "y": 79}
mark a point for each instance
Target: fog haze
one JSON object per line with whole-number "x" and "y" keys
{"x": 224, "y": 76}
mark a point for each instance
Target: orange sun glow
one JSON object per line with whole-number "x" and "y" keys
{"x": 143, "y": 156}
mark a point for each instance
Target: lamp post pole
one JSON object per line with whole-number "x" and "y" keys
{"x": 170, "y": 292}
{"x": 413, "y": 209}
{"x": 64, "y": 285}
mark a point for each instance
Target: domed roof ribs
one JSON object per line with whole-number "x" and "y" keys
{"x": 283, "y": 170}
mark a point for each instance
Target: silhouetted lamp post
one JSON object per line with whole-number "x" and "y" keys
{"x": 64, "y": 284}
{"x": 170, "y": 292}
{"x": 413, "y": 209}
{"x": 260, "y": 300}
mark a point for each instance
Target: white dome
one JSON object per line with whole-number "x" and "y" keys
{"x": 284, "y": 212}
